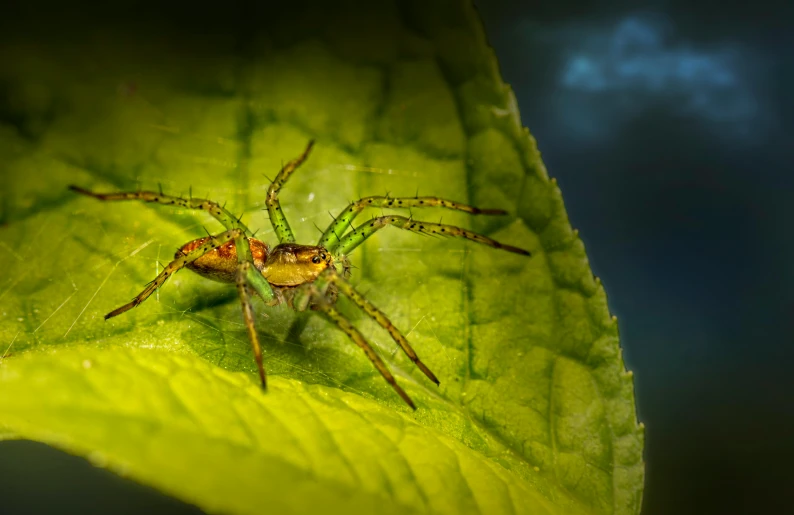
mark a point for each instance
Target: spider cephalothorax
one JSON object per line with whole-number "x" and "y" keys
{"x": 290, "y": 264}
{"x": 303, "y": 276}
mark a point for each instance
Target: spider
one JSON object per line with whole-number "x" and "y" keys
{"x": 303, "y": 276}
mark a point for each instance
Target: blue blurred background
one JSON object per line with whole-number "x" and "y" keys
{"x": 668, "y": 126}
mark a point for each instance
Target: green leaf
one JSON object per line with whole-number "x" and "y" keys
{"x": 535, "y": 412}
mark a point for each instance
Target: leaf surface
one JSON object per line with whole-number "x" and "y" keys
{"x": 535, "y": 413}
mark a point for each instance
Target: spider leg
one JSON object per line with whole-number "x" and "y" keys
{"x": 249, "y": 278}
{"x": 174, "y": 266}
{"x": 277, "y": 218}
{"x": 331, "y": 276}
{"x": 347, "y": 327}
{"x": 219, "y": 212}
{"x": 357, "y": 236}
{"x": 243, "y": 272}
{"x": 331, "y": 237}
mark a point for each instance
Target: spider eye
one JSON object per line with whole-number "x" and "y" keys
{"x": 316, "y": 259}
{"x": 322, "y": 256}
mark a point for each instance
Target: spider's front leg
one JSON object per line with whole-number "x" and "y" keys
{"x": 277, "y": 218}
{"x": 315, "y": 295}
{"x": 358, "y": 235}
{"x": 354, "y": 334}
{"x": 332, "y": 236}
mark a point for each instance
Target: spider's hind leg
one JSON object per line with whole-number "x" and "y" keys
{"x": 244, "y": 274}
{"x": 219, "y": 212}
{"x": 174, "y": 266}
{"x": 250, "y": 279}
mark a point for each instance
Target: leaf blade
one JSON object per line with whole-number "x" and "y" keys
{"x": 469, "y": 311}
{"x": 140, "y": 436}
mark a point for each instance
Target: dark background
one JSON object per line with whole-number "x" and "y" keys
{"x": 667, "y": 125}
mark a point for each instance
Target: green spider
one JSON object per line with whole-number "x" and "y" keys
{"x": 303, "y": 276}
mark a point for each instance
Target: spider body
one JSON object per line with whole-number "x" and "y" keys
{"x": 285, "y": 265}
{"x": 303, "y": 276}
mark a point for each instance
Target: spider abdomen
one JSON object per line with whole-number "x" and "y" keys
{"x": 221, "y": 264}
